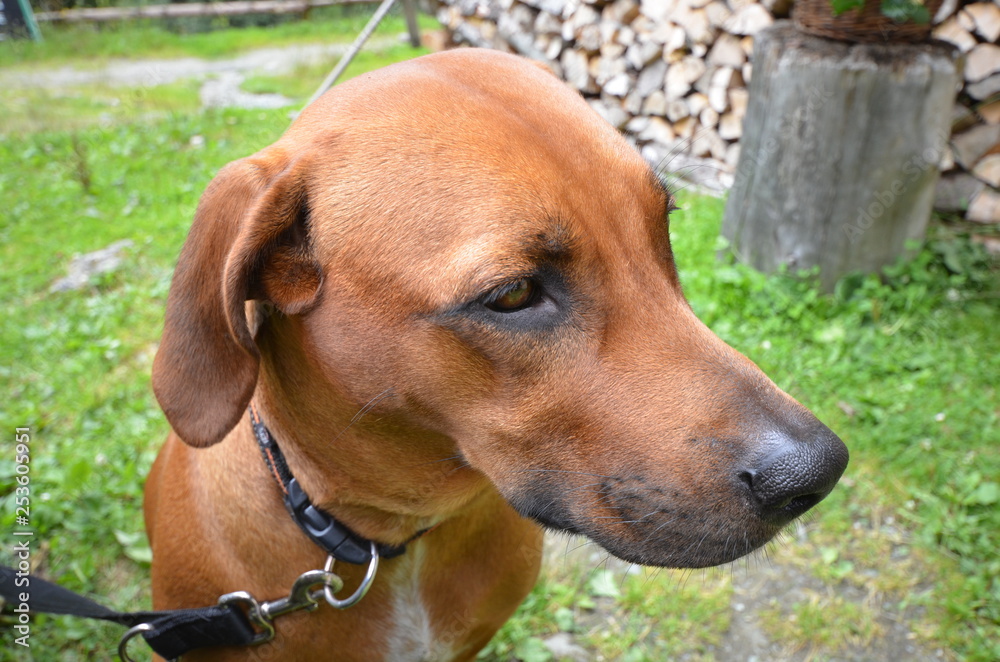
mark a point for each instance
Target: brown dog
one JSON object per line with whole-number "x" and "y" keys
{"x": 459, "y": 249}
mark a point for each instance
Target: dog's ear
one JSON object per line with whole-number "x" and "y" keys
{"x": 249, "y": 240}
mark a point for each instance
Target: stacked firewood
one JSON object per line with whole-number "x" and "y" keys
{"x": 970, "y": 182}
{"x": 673, "y": 74}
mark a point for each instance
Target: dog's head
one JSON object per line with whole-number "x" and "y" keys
{"x": 463, "y": 233}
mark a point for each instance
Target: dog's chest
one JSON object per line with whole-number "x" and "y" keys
{"x": 412, "y": 637}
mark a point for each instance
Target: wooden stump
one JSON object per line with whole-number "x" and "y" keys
{"x": 840, "y": 151}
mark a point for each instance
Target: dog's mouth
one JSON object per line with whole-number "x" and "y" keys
{"x": 651, "y": 526}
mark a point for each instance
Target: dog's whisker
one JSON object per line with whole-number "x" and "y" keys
{"x": 364, "y": 410}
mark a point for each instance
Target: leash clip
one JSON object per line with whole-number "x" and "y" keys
{"x": 128, "y": 636}
{"x": 366, "y": 583}
{"x": 302, "y": 596}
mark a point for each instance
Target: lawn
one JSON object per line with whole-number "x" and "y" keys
{"x": 904, "y": 367}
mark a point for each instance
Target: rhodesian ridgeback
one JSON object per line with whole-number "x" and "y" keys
{"x": 448, "y": 293}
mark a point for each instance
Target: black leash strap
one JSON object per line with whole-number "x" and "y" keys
{"x": 176, "y": 632}
{"x": 171, "y": 633}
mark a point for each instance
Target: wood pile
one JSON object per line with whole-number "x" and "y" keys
{"x": 970, "y": 180}
{"x": 673, "y": 74}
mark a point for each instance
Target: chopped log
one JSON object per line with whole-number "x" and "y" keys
{"x": 618, "y": 85}
{"x": 954, "y": 33}
{"x": 636, "y": 124}
{"x": 990, "y": 112}
{"x": 681, "y": 75}
{"x": 880, "y": 137}
{"x": 696, "y": 103}
{"x": 626, "y": 36}
{"x": 684, "y": 128}
{"x": 730, "y": 126}
{"x": 954, "y": 192}
{"x": 947, "y": 159}
{"x": 727, "y": 52}
{"x": 621, "y": 11}
{"x": 555, "y": 48}
{"x": 642, "y": 53}
{"x": 985, "y": 207}
{"x": 985, "y": 88}
{"x": 986, "y": 19}
{"x": 695, "y": 23}
{"x": 718, "y": 92}
{"x": 651, "y": 78}
{"x": 657, "y": 10}
{"x": 966, "y": 21}
{"x": 633, "y": 101}
{"x": 576, "y": 72}
{"x": 738, "y": 99}
{"x": 708, "y": 118}
{"x": 982, "y": 61}
{"x": 546, "y": 23}
{"x": 974, "y": 144}
{"x": 732, "y": 157}
{"x": 988, "y": 170}
{"x": 610, "y": 109}
{"x": 658, "y": 131}
{"x": 748, "y": 20}
{"x": 677, "y": 110}
{"x": 613, "y": 50}
{"x": 589, "y": 38}
{"x": 718, "y": 13}
{"x": 655, "y": 104}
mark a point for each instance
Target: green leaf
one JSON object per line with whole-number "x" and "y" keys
{"x": 986, "y": 494}
{"x": 902, "y": 11}
{"x": 532, "y": 649}
{"x": 565, "y": 620}
{"x": 840, "y": 6}
{"x": 603, "y": 585}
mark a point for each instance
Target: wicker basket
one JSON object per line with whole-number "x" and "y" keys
{"x": 864, "y": 25}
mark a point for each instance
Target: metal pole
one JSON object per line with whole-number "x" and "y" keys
{"x": 380, "y": 13}
{"x": 410, "y": 10}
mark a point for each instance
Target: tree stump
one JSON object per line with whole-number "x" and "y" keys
{"x": 840, "y": 151}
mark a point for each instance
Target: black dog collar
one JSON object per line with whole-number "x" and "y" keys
{"x": 332, "y": 537}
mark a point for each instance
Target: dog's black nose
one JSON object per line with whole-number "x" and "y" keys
{"x": 797, "y": 472}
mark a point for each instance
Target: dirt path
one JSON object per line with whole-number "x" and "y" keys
{"x": 222, "y": 78}
{"x": 760, "y": 589}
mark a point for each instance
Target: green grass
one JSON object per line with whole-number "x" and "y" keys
{"x": 302, "y": 81}
{"x": 904, "y": 368}
{"x": 92, "y": 45}
{"x": 31, "y": 110}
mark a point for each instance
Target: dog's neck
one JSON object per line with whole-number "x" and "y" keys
{"x": 379, "y": 473}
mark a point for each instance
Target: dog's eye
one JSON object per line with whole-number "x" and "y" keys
{"x": 512, "y": 296}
